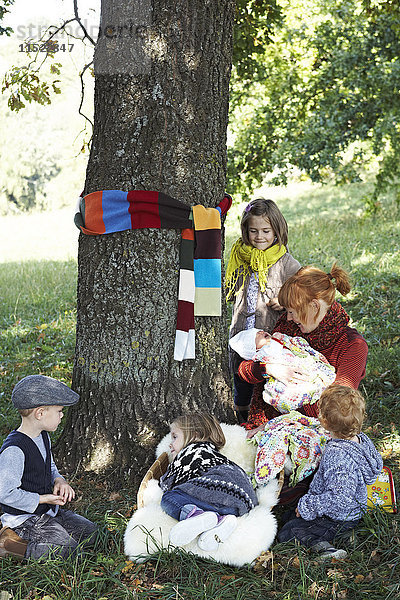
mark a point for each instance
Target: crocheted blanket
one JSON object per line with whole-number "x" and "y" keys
{"x": 300, "y": 436}
{"x": 110, "y": 211}
{"x": 298, "y": 354}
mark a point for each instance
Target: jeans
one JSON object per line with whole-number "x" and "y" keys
{"x": 63, "y": 535}
{"x": 242, "y": 391}
{"x": 309, "y": 533}
{"x": 173, "y": 502}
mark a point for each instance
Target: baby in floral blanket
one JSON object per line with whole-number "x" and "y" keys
{"x": 306, "y": 372}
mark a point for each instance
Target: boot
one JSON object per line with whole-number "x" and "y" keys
{"x": 241, "y": 416}
{"x": 12, "y": 544}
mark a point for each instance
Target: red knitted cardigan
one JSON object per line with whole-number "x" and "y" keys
{"x": 343, "y": 347}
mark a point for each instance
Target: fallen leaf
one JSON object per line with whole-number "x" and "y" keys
{"x": 359, "y": 578}
{"x": 296, "y": 562}
{"x": 314, "y": 590}
{"x": 114, "y": 496}
{"x": 128, "y": 566}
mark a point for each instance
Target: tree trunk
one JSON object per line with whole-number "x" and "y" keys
{"x": 161, "y": 115}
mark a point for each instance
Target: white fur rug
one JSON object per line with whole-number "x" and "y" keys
{"x": 149, "y": 527}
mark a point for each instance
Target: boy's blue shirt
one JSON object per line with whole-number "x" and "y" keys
{"x": 339, "y": 487}
{"x": 12, "y": 463}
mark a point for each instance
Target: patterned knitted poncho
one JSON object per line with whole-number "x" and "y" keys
{"x": 204, "y": 473}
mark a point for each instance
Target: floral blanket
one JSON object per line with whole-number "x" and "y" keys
{"x": 298, "y": 353}
{"x": 300, "y": 437}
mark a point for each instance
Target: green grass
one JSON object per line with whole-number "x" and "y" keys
{"x": 37, "y": 331}
{"x": 37, "y": 325}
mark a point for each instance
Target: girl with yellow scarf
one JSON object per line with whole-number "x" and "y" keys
{"x": 258, "y": 266}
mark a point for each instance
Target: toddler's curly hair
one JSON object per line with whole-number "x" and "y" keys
{"x": 342, "y": 410}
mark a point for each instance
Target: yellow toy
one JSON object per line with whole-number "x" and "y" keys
{"x": 381, "y": 493}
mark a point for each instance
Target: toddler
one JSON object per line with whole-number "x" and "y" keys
{"x": 337, "y": 497}
{"x": 31, "y": 488}
{"x": 203, "y": 489}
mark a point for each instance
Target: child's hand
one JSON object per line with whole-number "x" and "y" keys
{"x": 51, "y": 499}
{"x": 63, "y": 489}
{"x": 253, "y": 432}
{"x": 274, "y": 304}
{"x": 297, "y": 512}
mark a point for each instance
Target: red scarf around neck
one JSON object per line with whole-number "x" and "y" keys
{"x": 327, "y": 332}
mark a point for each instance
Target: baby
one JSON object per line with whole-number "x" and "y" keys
{"x": 296, "y": 374}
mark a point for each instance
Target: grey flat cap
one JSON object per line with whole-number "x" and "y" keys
{"x": 38, "y": 390}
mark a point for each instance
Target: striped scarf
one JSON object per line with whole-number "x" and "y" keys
{"x": 110, "y": 211}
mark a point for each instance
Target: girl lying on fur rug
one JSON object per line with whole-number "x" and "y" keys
{"x": 203, "y": 490}
{"x": 210, "y": 507}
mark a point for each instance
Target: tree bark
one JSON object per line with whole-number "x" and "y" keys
{"x": 160, "y": 124}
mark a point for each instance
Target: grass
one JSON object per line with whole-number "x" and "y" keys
{"x": 37, "y": 321}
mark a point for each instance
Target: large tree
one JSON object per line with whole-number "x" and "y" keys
{"x": 161, "y": 110}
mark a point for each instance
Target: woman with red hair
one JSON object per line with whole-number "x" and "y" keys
{"x": 313, "y": 314}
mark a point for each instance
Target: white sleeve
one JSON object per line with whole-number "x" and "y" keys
{"x": 12, "y": 461}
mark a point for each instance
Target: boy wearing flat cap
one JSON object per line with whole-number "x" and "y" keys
{"x": 31, "y": 488}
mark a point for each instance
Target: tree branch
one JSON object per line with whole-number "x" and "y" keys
{"x": 77, "y": 18}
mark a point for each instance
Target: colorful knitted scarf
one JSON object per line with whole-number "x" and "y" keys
{"x": 327, "y": 332}
{"x": 110, "y": 211}
{"x": 245, "y": 260}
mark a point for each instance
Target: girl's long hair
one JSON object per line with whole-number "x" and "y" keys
{"x": 200, "y": 427}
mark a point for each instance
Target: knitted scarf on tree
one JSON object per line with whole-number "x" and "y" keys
{"x": 192, "y": 461}
{"x": 327, "y": 332}
{"x": 245, "y": 260}
{"x": 199, "y": 294}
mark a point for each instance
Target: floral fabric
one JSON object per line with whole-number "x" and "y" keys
{"x": 297, "y": 353}
{"x": 300, "y": 437}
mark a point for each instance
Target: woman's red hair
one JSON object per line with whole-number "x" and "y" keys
{"x": 310, "y": 283}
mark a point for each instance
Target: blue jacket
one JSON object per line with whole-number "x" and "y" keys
{"x": 339, "y": 487}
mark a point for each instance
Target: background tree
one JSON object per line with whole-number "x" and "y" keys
{"x": 4, "y": 6}
{"x": 327, "y": 101}
{"x": 161, "y": 110}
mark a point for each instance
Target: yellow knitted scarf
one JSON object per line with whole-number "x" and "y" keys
{"x": 245, "y": 260}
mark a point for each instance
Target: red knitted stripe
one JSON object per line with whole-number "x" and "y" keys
{"x": 143, "y": 208}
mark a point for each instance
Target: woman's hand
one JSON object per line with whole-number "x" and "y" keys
{"x": 284, "y": 373}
